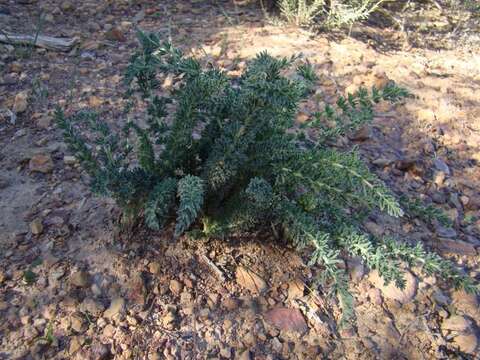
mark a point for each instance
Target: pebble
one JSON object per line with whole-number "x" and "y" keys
{"x": 456, "y": 323}
{"x": 356, "y": 269}
{"x": 75, "y": 344}
{"x": 175, "y": 287}
{"x": 439, "y": 178}
{"x": 445, "y": 232}
{"x": 66, "y": 6}
{"x": 41, "y": 163}
{"x": 69, "y": 160}
{"x": 36, "y": 227}
{"x": 20, "y": 103}
{"x": 230, "y": 303}
{"x": 362, "y": 134}
{"x": 115, "y": 34}
{"x": 456, "y": 247}
{"x": 99, "y": 351}
{"x": 109, "y": 331}
{"x": 466, "y": 342}
{"x": 78, "y": 323}
{"x": 117, "y": 306}
{"x": 391, "y": 291}
{"x": 169, "y": 319}
{"x": 44, "y": 122}
{"x": 295, "y": 289}
{"x": 92, "y": 307}
{"x": 154, "y": 268}
{"x": 80, "y": 279}
{"x": 286, "y": 319}
{"x": 466, "y": 303}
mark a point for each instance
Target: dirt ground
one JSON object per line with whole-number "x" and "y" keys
{"x": 71, "y": 289}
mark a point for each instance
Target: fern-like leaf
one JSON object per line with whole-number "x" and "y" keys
{"x": 159, "y": 203}
{"x": 191, "y": 195}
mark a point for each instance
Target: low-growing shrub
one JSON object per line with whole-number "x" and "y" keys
{"x": 301, "y": 12}
{"x": 224, "y": 154}
{"x": 336, "y": 13}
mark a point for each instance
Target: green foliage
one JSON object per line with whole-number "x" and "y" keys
{"x": 329, "y": 13}
{"x": 348, "y": 12}
{"x": 301, "y": 12}
{"x": 29, "y": 277}
{"x": 190, "y": 194}
{"x": 159, "y": 202}
{"x": 49, "y": 336}
{"x": 235, "y": 160}
{"x": 426, "y": 212}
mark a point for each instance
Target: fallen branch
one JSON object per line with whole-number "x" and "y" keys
{"x": 214, "y": 267}
{"x": 47, "y": 42}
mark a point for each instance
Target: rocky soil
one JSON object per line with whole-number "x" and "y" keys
{"x": 72, "y": 287}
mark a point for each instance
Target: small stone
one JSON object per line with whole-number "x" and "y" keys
{"x": 249, "y": 280}
{"x": 302, "y": 118}
{"x": 16, "y": 67}
{"x": 426, "y": 115}
{"x": 92, "y": 307}
{"x": 66, "y": 6}
{"x": 169, "y": 319}
{"x": 383, "y": 161}
{"x": 467, "y": 343}
{"x": 20, "y": 103}
{"x": 39, "y": 323}
{"x": 295, "y": 289}
{"x": 439, "y": 178}
{"x": 456, "y": 323}
{"x": 176, "y": 287}
{"x": 466, "y": 303}
{"x": 473, "y": 203}
{"x": 109, "y": 331}
{"x": 115, "y": 34}
{"x": 78, "y": 323}
{"x": 69, "y": 160}
{"x": 55, "y": 274}
{"x": 117, "y": 306}
{"x": 75, "y": 344}
{"x": 362, "y": 134}
{"x": 457, "y": 247}
{"x": 440, "y": 165}
{"x": 286, "y": 319}
{"x": 445, "y": 232}
{"x": 36, "y": 227}
{"x": 230, "y": 303}
{"x": 154, "y": 268}
{"x": 95, "y": 101}
{"x": 44, "y": 122}
{"x": 391, "y": 291}
{"x": 41, "y": 163}
{"x": 356, "y": 269}
{"x": 80, "y": 279}
{"x": 99, "y": 351}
